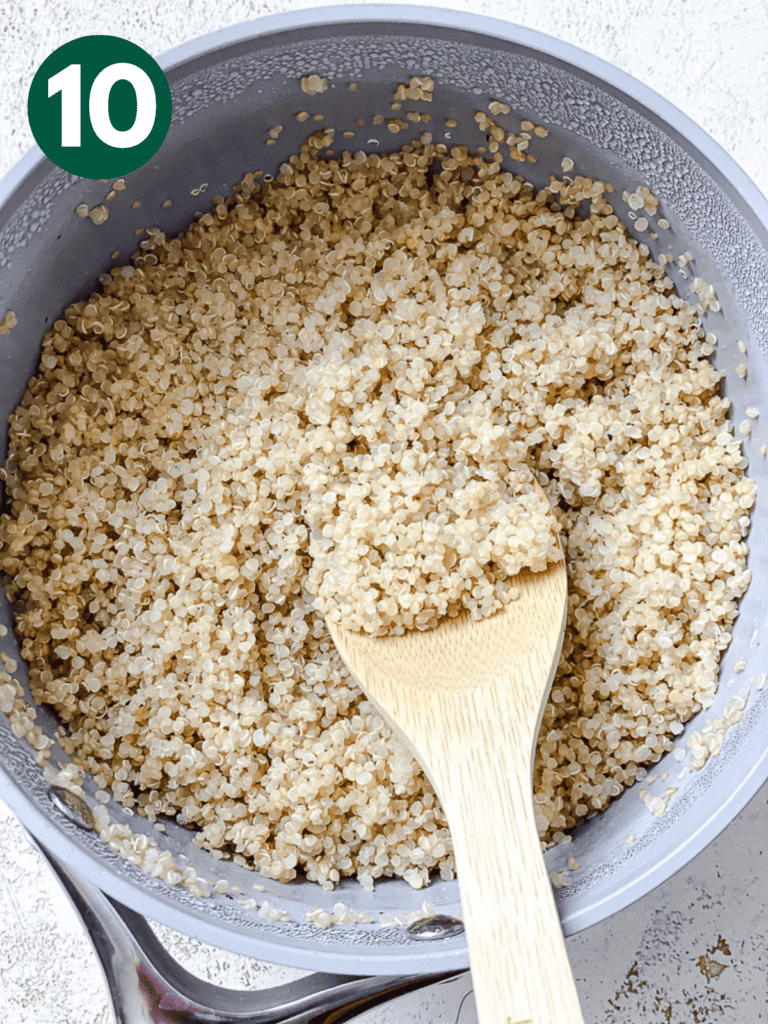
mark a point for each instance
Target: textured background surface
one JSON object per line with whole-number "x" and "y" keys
{"x": 694, "y": 950}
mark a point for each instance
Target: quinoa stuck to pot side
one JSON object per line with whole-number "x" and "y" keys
{"x": 345, "y": 382}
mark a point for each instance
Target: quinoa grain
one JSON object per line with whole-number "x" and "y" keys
{"x": 8, "y": 322}
{"x": 313, "y": 84}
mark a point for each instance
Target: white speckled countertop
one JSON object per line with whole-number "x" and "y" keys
{"x": 693, "y": 951}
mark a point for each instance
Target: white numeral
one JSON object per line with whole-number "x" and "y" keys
{"x": 146, "y": 105}
{"x": 67, "y": 82}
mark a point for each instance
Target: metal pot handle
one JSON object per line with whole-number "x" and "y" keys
{"x": 147, "y": 986}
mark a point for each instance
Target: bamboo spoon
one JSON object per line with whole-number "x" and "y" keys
{"x": 467, "y": 697}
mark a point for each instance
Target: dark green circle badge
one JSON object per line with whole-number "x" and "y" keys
{"x": 99, "y": 106}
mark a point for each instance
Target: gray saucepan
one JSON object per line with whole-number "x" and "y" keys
{"x": 228, "y": 89}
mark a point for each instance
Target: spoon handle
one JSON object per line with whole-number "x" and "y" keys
{"x": 519, "y": 963}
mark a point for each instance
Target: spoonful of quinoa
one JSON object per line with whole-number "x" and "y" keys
{"x": 450, "y": 608}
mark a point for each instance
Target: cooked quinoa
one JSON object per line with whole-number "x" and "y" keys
{"x": 364, "y": 364}
{"x": 401, "y": 539}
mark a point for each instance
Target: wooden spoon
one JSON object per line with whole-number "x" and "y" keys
{"x": 467, "y": 697}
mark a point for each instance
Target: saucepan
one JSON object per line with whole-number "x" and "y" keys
{"x": 229, "y": 88}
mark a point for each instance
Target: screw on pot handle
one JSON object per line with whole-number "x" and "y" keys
{"x": 147, "y": 986}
